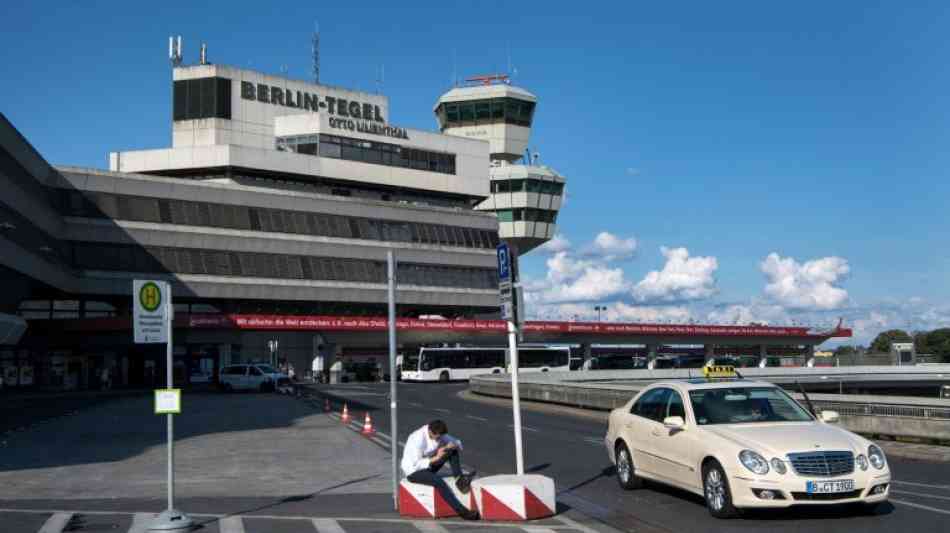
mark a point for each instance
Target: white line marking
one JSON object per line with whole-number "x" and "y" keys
{"x": 326, "y": 525}
{"x": 917, "y": 505}
{"x": 537, "y": 529}
{"x": 584, "y": 529}
{"x": 56, "y": 523}
{"x": 231, "y": 524}
{"x": 140, "y": 522}
{"x": 441, "y": 411}
{"x": 526, "y": 428}
{"x": 896, "y": 482}
{"x": 921, "y": 494}
{"x": 148, "y": 516}
{"x": 430, "y": 527}
{"x": 480, "y": 419}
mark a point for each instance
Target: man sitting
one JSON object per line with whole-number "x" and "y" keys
{"x": 427, "y": 449}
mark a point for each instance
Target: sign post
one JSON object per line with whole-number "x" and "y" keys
{"x": 152, "y": 324}
{"x": 507, "y": 280}
{"x": 394, "y": 427}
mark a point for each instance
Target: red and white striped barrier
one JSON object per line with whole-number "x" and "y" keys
{"x": 423, "y": 501}
{"x": 515, "y": 498}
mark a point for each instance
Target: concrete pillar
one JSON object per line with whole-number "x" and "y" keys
{"x": 651, "y": 356}
{"x": 809, "y": 353}
{"x": 710, "y": 353}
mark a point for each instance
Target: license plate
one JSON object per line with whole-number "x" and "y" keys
{"x": 830, "y": 486}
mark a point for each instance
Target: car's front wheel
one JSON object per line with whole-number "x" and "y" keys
{"x": 626, "y": 471}
{"x": 716, "y": 491}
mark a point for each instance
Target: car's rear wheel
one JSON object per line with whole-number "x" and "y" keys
{"x": 626, "y": 471}
{"x": 716, "y": 491}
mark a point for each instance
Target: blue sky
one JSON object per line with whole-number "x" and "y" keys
{"x": 816, "y": 131}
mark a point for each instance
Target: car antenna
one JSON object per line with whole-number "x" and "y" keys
{"x": 811, "y": 407}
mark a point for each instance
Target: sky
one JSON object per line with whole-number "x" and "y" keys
{"x": 726, "y": 162}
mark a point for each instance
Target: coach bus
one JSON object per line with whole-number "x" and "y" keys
{"x": 461, "y": 363}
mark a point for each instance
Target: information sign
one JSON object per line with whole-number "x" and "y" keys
{"x": 167, "y": 401}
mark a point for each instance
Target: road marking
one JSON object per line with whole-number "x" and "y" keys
{"x": 56, "y": 523}
{"x": 919, "y": 506}
{"x": 536, "y": 529}
{"x": 929, "y": 486}
{"x": 140, "y": 522}
{"x": 594, "y": 441}
{"x": 446, "y": 411}
{"x": 480, "y": 419}
{"x": 921, "y": 494}
{"x": 327, "y": 525}
{"x": 231, "y": 524}
{"x": 584, "y": 529}
{"x": 414, "y": 404}
{"x": 430, "y": 527}
{"x": 526, "y": 428}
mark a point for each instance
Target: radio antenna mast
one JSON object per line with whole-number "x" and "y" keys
{"x": 174, "y": 51}
{"x": 316, "y": 52}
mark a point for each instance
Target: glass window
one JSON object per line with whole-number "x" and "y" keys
{"x": 517, "y": 185}
{"x": 535, "y": 186}
{"x": 482, "y": 110}
{"x": 452, "y": 112}
{"x": 652, "y": 404}
{"x": 498, "y": 108}
{"x": 676, "y": 406}
{"x": 743, "y": 405}
{"x": 330, "y": 150}
{"x": 505, "y": 215}
{"x": 466, "y": 111}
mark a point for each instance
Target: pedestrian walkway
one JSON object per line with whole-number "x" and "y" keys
{"x": 49, "y": 521}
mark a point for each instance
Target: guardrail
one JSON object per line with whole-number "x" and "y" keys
{"x": 894, "y": 416}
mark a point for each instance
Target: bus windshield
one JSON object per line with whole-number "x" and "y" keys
{"x": 410, "y": 361}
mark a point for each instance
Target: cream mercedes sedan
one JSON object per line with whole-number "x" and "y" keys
{"x": 742, "y": 444}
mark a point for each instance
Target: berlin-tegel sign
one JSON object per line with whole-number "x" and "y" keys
{"x": 151, "y": 303}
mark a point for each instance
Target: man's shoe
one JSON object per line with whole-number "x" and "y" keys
{"x": 464, "y": 482}
{"x": 470, "y": 515}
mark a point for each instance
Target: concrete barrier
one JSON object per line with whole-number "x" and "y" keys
{"x": 895, "y": 416}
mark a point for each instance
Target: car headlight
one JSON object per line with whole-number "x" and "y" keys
{"x": 862, "y": 461}
{"x": 754, "y": 462}
{"x": 876, "y": 456}
{"x": 778, "y": 465}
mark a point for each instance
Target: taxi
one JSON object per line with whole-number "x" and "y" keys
{"x": 742, "y": 444}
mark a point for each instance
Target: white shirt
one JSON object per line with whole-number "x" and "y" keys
{"x": 420, "y": 449}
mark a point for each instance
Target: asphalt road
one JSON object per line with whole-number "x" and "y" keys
{"x": 569, "y": 449}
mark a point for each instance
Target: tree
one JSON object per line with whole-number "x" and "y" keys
{"x": 938, "y": 343}
{"x": 846, "y": 349}
{"x": 882, "y": 343}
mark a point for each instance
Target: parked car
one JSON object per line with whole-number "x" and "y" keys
{"x": 251, "y": 376}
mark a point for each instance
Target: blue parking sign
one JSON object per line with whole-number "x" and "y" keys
{"x": 504, "y": 262}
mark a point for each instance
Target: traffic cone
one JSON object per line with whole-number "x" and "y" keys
{"x": 326, "y": 405}
{"x": 345, "y": 416}
{"x": 368, "y": 426}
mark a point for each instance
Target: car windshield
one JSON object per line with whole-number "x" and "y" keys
{"x": 744, "y": 405}
{"x": 267, "y": 369}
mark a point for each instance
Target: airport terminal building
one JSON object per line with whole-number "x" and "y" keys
{"x": 277, "y": 197}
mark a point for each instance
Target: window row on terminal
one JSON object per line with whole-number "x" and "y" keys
{"x": 162, "y": 259}
{"x": 376, "y": 153}
{"x": 190, "y": 213}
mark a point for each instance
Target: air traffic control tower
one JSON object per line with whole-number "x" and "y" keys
{"x": 525, "y": 196}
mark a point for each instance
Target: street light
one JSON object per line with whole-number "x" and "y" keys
{"x": 599, "y": 308}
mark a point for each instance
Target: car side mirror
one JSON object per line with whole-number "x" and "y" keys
{"x": 830, "y": 417}
{"x": 674, "y": 422}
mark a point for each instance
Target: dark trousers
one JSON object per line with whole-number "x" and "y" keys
{"x": 430, "y": 476}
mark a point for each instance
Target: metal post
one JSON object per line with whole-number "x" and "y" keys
{"x": 170, "y": 379}
{"x": 515, "y": 396}
{"x": 394, "y": 446}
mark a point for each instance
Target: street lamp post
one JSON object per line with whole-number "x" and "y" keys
{"x": 599, "y": 308}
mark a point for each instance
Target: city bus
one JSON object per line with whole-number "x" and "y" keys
{"x": 461, "y": 363}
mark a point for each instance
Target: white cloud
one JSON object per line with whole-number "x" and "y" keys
{"x": 683, "y": 278}
{"x": 609, "y": 247}
{"x": 558, "y": 243}
{"x": 742, "y": 314}
{"x": 810, "y": 285}
{"x": 616, "y": 312}
{"x": 572, "y": 280}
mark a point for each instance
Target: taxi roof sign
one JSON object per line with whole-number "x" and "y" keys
{"x": 719, "y": 371}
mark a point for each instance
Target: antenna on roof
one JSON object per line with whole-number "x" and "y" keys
{"x": 315, "y": 44}
{"x": 174, "y": 50}
{"x": 203, "y": 57}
